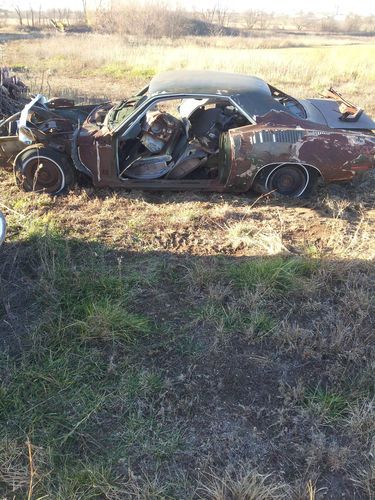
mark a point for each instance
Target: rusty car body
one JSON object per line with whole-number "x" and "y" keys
{"x": 195, "y": 130}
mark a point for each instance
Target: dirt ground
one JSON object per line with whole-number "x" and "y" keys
{"x": 271, "y": 375}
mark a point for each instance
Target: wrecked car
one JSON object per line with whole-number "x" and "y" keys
{"x": 194, "y": 130}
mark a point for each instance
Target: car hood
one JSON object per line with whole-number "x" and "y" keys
{"x": 327, "y": 112}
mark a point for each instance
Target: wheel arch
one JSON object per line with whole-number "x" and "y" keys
{"x": 275, "y": 165}
{"x": 25, "y": 150}
{"x": 271, "y": 167}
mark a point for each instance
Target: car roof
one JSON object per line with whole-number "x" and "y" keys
{"x": 250, "y": 92}
{"x": 206, "y": 82}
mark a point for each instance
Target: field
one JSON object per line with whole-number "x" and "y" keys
{"x": 185, "y": 346}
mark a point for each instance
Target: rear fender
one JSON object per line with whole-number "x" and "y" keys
{"x": 335, "y": 155}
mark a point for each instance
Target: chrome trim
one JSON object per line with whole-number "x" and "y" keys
{"x": 289, "y": 163}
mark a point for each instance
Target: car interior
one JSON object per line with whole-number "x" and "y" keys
{"x": 177, "y": 139}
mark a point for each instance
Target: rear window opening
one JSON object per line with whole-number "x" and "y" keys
{"x": 291, "y": 104}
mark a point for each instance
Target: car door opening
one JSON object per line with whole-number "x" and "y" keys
{"x": 177, "y": 139}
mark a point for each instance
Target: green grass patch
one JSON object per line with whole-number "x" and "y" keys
{"x": 24, "y": 227}
{"x": 330, "y": 405}
{"x": 114, "y": 70}
{"x": 106, "y": 320}
{"x": 121, "y": 70}
{"x": 188, "y": 346}
{"x": 27, "y": 203}
{"x": 77, "y": 387}
{"x": 263, "y": 323}
{"x": 234, "y": 320}
{"x": 278, "y": 274}
{"x": 143, "y": 72}
{"x": 84, "y": 481}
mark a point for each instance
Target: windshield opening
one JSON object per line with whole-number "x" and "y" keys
{"x": 121, "y": 111}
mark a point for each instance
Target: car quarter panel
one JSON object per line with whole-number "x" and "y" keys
{"x": 338, "y": 155}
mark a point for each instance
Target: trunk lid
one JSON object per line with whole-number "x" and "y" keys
{"x": 327, "y": 112}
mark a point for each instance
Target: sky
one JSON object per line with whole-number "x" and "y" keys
{"x": 361, "y": 7}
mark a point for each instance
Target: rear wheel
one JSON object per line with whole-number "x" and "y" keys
{"x": 287, "y": 180}
{"x": 43, "y": 170}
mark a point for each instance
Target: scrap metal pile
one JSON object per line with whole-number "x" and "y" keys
{"x": 12, "y": 93}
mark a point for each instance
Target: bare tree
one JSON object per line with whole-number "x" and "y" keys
{"x": 84, "y": 9}
{"x": 301, "y": 21}
{"x": 329, "y": 24}
{"x": 353, "y": 22}
{"x": 251, "y": 18}
{"x": 208, "y": 15}
{"x": 218, "y": 16}
{"x": 257, "y": 19}
{"x": 222, "y": 16}
{"x": 19, "y": 15}
{"x": 264, "y": 19}
{"x": 32, "y": 17}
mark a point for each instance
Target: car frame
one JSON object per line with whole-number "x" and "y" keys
{"x": 284, "y": 147}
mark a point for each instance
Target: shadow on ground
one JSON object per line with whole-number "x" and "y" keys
{"x": 164, "y": 367}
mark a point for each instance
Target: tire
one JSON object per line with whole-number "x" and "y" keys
{"x": 288, "y": 180}
{"x": 44, "y": 170}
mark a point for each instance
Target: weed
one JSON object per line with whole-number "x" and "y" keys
{"x": 329, "y": 405}
{"x": 244, "y": 485}
{"x": 275, "y": 275}
{"x": 143, "y": 72}
{"x": 364, "y": 477}
{"x": 229, "y": 320}
{"x": 106, "y": 320}
{"x": 114, "y": 70}
{"x": 83, "y": 481}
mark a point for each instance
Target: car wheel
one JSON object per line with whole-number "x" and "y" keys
{"x": 288, "y": 180}
{"x": 43, "y": 170}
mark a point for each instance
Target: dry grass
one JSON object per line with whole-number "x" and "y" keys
{"x": 155, "y": 343}
{"x": 107, "y": 62}
{"x": 243, "y": 485}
